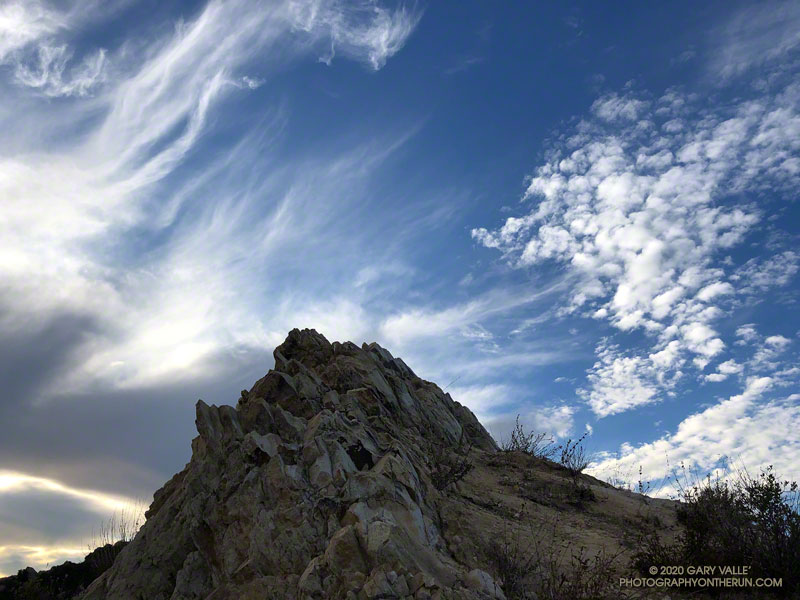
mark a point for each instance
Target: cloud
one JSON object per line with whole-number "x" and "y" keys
{"x": 42, "y": 520}
{"x": 420, "y": 323}
{"x": 49, "y": 72}
{"x": 618, "y": 383}
{"x": 24, "y": 22}
{"x": 637, "y": 204}
{"x": 118, "y": 176}
{"x": 555, "y": 420}
{"x": 482, "y": 399}
{"x": 362, "y": 29}
{"x": 16, "y": 482}
{"x": 740, "y": 428}
{"x": 729, "y": 367}
{"x": 618, "y": 108}
{"x": 753, "y": 37}
{"x": 747, "y": 333}
{"x": 760, "y": 274}
{"x": 750, "y": 428}
{"x": 134, "y": 257}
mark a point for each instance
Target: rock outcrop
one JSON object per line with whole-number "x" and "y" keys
{"x": 61, "y": 582}
{"x": 325, "y": 481}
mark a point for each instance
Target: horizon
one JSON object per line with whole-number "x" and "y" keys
{"x": 583, "y": 216}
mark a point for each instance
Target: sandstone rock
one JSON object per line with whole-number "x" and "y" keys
{"x": 317, "y": 485}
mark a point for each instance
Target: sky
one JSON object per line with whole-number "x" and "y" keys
{"x": 581, "y": 213}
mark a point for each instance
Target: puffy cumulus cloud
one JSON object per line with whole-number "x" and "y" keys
{"x": 768, "y": 350}
{"x": 639, "y": 203}
{"x": 759, "y": 274}
{"x": 618, "y": 383}
{"x": 743, "y": 428}
{"x": 615, "y": 107}
{"x": 746, "y": 333}
{"x": 753, "y": 428}
{"x": 724, "y": 370}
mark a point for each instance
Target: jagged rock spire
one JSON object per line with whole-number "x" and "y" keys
{"x": 317, "y": 485}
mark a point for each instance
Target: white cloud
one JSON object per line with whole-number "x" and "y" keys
{"x": 729, "y": 367}
{"x": 71, "y": 200}
{"x": 420, "y": 323}
{"x": 11, "y": 481}
{"x": 556, "y": 420}
{"x": 637, "y": 209}
{"x": 483, "y": 400}
{"x": 740, "y": 428}
{"x": 361, "y": 29}
{"x": 88, "y": 182}
{"x": 712, "y": 290}
{"x": 619, "y": 383}
{"x": 759, "y": 274}
{"x": 778, "y": 342}
{"x": 24, "y": 22}
{"x": 614, "y": 108}
{"x": 48, "y": 72}
{"x": 747, "y": 333}
{"x": 716, "y": 377}
{"x": 754, "y": 36}
{"x": 767, "y": 352}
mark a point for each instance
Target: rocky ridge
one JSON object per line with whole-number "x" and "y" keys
{"x": 320, "y": 483}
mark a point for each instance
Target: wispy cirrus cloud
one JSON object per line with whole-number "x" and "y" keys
{"x": 418, "y": 323}
{"x": 67, "y": 208}
{"x": 754, "y": 37}
{"x": 363, "y": 30}
{"x": 139, "y": 252}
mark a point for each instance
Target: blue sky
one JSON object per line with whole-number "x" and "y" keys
{"x": 583, "y": 214}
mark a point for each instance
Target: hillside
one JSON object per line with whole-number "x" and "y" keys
{"x": 341, "y": 474}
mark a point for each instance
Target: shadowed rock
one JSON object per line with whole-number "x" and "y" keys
{"x": 317, "y": 485}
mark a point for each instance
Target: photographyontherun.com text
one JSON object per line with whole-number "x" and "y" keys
{"x": 701, "y": 576}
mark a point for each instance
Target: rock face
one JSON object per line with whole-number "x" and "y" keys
{"x": 321, "y": 483}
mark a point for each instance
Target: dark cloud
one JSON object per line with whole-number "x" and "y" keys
{"x": 32, "y": 516}
{"x": 118, "y": 441}
{"x": 31, "y": 358}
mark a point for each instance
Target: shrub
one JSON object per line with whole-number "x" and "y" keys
{"x": 515, "y": 561}
{"x": 449, "y": 467}
{"x": 539, "y": 445}
{"x": 120, "y": 527}
{"x": 575, "y": 459}
{"x": 539, "y": 567}
{"x": 751, "y": 521}
{"x": 573, "y": 456}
